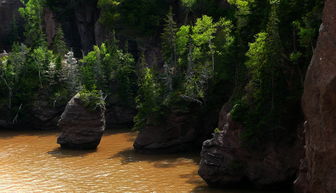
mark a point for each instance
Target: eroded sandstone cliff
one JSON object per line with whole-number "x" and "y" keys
{"x": 227, "y": 162}
{"x": 318, "y": 169}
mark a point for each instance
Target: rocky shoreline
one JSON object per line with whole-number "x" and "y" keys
{"x": 307, "y": 154}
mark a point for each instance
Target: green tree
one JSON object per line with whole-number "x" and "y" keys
{"x": 188, "y": 5}
{"x": 169, "y": 49}
{"x": 58, "y": 45}
{"x": 25, "y": 73}
{"x": 32, "y": 14}
{"x": 261, "y": 110}
{"x": 142, "y": 18}
{"x": 196, "y": 47}
{"x": 106, "y": 65}
{"x": 148, "y": 100}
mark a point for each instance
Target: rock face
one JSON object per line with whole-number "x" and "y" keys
{"x": 175, "y": 136}
{"x": 180, "y": 131}
{"x": 86, "y": 14}
{"x": 318, "y": 169}
{"x": 119, "y": 117}
{"x": 43, "y": 115}
{"x": 79, "y": 21}
{"x": 49, "y": 25}
{"x": 8, "y": 11}
{"x": 225, "y": 162}
{"x": 10, "y": 18}
{"x": 81, "y": 128}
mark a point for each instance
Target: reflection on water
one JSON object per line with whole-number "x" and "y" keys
{"x": 33, "y": 162}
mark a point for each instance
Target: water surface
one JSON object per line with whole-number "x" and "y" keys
{"x": 33, "y": 162}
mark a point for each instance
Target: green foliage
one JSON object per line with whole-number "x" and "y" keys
{"x": 204, "y": 30}
{"x": 259, "y": 50}
{"x": 148, "y": 100}
{"x": 261, "y": 109}
{"x": 185, "y": 81}
{"x": 33, "y": 70}
{"x": 257, "y": 56}
{"x": 92, "y": 99}
{"x": 106, "y": 66}
{"x": 169, "y": 50}
{"x": 91, "y": 73}
{"x": 188, "y": 3}
{"x": 242, "y": 5}
{"x": 197, "y": 8}
{"x": 32, "y": 14}
{"x": 58, "y": 45}
{"x": 169, "y": 38}
{"x": 183, "y": 38}
{"x": 142, "y": 18}
{"x": 217, "y": 130}
{"x": 295, "y": 56}
{"x": 197, "y": 51}
{"x": 26, "y": 73}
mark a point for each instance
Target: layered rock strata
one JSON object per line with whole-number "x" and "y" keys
{"x": 82, "y": 128}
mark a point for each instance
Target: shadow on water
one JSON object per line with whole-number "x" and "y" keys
{"x": 160, "y": 161}
{"x": 205, "y": 188}
{"x": 65, "y": 153}
{"x": 4, "y": 134}
{"x": 9, "y": 133}
{"x": 242, "y": 189}
{"x": 192, "y": 178}
{"x": 132, "y": 136}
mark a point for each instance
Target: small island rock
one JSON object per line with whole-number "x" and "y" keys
{"x": 82, "y": 128}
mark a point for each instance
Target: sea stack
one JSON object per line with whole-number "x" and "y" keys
{"x": 82, "y": 127}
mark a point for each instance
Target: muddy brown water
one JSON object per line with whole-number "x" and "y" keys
{"x": 32, "y": 162}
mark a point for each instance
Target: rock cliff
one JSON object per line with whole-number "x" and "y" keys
{"x": 179, "y": 131}
{"x": 318, "y": 169}
{"x": 81, "y": 127}
{"x": 86, "y": 14}
{"x": 49, "y": 24}
{"x": 226, "y": 162}
{"x": 176, "y": 133}
{"x": 8, "y": 16}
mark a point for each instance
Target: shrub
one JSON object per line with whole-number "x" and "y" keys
{"x": 92, "y": 99}
{"x": 107, "y": 65}
{"x": 148, "y": 100}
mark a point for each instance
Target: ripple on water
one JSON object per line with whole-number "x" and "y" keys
{"x": 33, "y": 162}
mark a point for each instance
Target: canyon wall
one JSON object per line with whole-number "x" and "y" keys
{"x": 318, "y": 169}
{"x": 8, "y": 17}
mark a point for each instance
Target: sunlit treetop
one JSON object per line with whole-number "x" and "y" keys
{"x": 242, "y": 5}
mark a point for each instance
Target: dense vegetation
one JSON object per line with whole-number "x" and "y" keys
{"x": 251, "y": 53}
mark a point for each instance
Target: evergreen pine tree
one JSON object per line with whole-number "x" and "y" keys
{"x": 169, "y": 39}
{"x": 58, "y": 45}
{"x": 169, "y": 49}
